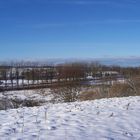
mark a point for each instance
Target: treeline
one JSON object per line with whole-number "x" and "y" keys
{"x": 35, "y": 73}
{"x": 26, "y": 75}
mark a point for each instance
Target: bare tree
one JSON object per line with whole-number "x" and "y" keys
{"x": 17, "y": 76}
{"x": 11, "y": 77}
{"x": 71, "y": 72}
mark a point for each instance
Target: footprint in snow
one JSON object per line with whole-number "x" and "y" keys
{"x": 52, "y": 128}
{"x": 34, "y": 135}
{"x": 128, "y": 134}
{"x": 66, "y": 120}
{"x": 109, "y": 138}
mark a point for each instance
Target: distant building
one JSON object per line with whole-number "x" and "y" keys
{"x": 109, "y": 73}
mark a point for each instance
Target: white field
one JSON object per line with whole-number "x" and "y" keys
{"x": 105, "y": 119}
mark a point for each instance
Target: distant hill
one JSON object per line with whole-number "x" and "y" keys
{"x": 125, "y": 62}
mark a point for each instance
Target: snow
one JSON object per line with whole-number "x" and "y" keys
{"x": 109, "y": 82}
{"x": 40, "y": 96}
{"x": 20, "y": 82}
{"x": 104, "y": 119}
{"x": 29, "y": 94}
{"x": 89, "y": 77}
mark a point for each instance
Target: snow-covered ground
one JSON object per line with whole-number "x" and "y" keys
{"x": 105, "y": 119}
{"x": 21, "y": 82}
{"x": 22, "y": 97}
{"x": 109, "y": 82}
{"x": 92, "y": 81}
{"x": 36, "y": 94}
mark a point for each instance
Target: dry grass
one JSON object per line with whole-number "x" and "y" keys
{"x": 90, "y": 95}
{"x": 116, "y": 90}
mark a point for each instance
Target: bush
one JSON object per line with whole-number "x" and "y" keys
{"x": 67, "y": 93}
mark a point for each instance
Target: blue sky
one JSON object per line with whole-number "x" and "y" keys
{"x": 40, "y": 29}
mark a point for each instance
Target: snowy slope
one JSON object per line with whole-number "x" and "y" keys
{"x": 105, "y": 119}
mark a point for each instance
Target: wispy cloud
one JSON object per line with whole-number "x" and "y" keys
{"x": 121, "y": 21}
{"x": 80, "y": 2}
{"x": 116, "y": 3}
{"x": 110, "y": 3}
{"x": 82, "y": 23}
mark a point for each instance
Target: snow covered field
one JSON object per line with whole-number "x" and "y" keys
{"x": 105, "y": 119}
{"x": 29, "y": 94}
{"x": 22, "y": 97}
